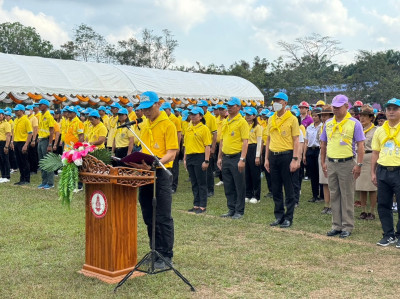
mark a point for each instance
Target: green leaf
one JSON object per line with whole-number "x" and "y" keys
{"x": 51, "y": 162}
{"x": 103, "y": 155}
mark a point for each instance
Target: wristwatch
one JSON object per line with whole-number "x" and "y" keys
{"x": 206, "y": 161}
{"x": 295, "y": 158}
{"x": 359, "y": 164}
{"x": 242, "y": 159}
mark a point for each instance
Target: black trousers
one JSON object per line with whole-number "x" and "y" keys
{"x": 388, "y": 185}
{"x": 234, "y": 183}
{"x": 120, "y": 152}
{"x": 296, "y": 185}
{"x": 164, "y": 222}
{"x": 23, "y": 162}
{"x": 175, "y": 173}
{"x": 313, "y": 169}
{"x": 281, "y": 176}
{"x": 210, "y": 174}
{"x": 4, "y": 162}
{"x": 253, "y": 173}
{"x": 266, "y": 173}
{"x": 218, "y": 172}
{"x": 198, "y": 178}
{"x": 33, "y": 157}
{"x": 12, "y": 158}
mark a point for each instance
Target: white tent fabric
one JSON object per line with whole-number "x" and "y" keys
{"x": 23, "y": 74}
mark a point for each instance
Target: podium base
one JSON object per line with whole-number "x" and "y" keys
{"x": 107, "y": 276}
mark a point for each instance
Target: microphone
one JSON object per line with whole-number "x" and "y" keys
{"x": 131, "y": 123}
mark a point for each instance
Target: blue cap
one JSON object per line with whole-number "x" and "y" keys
{"x": 123, "y": 111}
{"x": 102, "y": 108}
{"x": 270, "y": 114}
{"x": 190, "y": 107}
{"x": 165, "y": 105}
{"x": 94, "y": 113}
{"x": 234, "y": 101}
{"x": 197, "y": 110}
{"x": 72, "y": 109}
{"x": 185, "y": 115}
{"x": 281, "y": 96}
{"x": 1, "y": 111}
{"x": 375, "y": 111}
{"x": 129, "y": 104}
{"x": 115, "y": 105}
{"x": 19, "y": 107}
{"x": 264, "y": 112}
{"x": 109, "y": 112}
{"x": 52, "y": 112}
{"x": 44, "y": 102}
{"x": 179, "y": 110}
{"x": 36, "y": 104}
{"x": 202, "y": 103}
{"x": 148, "y": 99}
{"x": 295, "y": 111}
{"x": 29, "y": 107}
{"x": 241, "y": 113}
{"x": 393, "y": 101}
{"x": 7, "y": 113}
{"x": 250, "y": 111}
{"x": 211, "y": 108}
{"x": 221, "y": 106}
{"x": 8, "y": 109}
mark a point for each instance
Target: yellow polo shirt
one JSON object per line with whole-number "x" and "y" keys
{"x": 105, "y": 120}
{"x": 254, "y": 133}
{"x": 56, "y": 127}
{"x": 219, "y": 122}
{"x": 197, "y": 138}
{"x": 22, "y": 128}
{"x": 5, "y": 128}
{"x": 138, "y": 130}
{"x": 234, "y": 131}
{"x": 281, "y": 141}
{"x": 99, "y": 130}
{"x": 211, "y": 122}
{"x": 38, "y": 115}
{"x": 46, "y": 121}
{"x": 389, "y": 153}
{"x": 112, "y": 126}
{"x": 184, "y": 125}
{"x": 160, "y": 136}
{"x": 87, "y": 128}
{"x": 122, "y": 136}
{"x": 34, "y": 121}
{"x": 74, "y": 129}
{"x": 63, "y": 127}
{"x": 176, "y": 122}
{"x": 132, "y": 116}
{"x": 11, "y": 122}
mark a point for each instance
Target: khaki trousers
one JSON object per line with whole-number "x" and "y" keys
{"x": 342, "y": 186}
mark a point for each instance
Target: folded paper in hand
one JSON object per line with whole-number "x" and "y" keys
{"x": 138, "y": 157}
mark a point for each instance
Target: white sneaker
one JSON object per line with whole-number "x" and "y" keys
{"x": 247, "y": 199}
{"x": 253, "y": 200}
{"x": 220, "y": 183}
{"x": 78, "y": 190}
{"x": 2, "y": 180}
{"x": 13, "y": 170}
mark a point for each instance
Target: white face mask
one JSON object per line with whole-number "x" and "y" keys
{"x": 27, "y": 112}
{"x": 277, "y": 107}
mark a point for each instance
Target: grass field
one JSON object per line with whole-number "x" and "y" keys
{"x": 42, "y": 248}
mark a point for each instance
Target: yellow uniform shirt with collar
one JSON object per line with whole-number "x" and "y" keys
{"x": 138, "y": 130}
{"x": 112, "y": 126}
{"x": 234, "y": 131}
{"x": 74, "y": 129}
{"x": 99, "y": 130}
{"x": 160, "y": 136}
{"x": 282, "y": 140}
{"x": 389, "y": 152}
{"x": 34, "y": 121}
{"x": 38, "y": 115}
{"x": 5, "y": 128}
{"x": 220, "y": 122}
{"x": 63, "y": 127}
{"x": 56, "y": 127}
{"x": 176, "y": 122}
{"x": 22, "y": 127}
{"x": 184, "y": 125}
{"x": 132, "y": 116}
{"x": 87, "y": 128}
{"x": 46, "y": 121}
{"x": 196, "y": 139}
{"x": 255, "y": 132}
{"x": 105, "y": 120}
{"x": 122, "y": 136}
{"x": 211, "y": 122}
{"x": 11, "y": 122}
{"x": 303, "y": 130}
{"x": 262, "y": 123}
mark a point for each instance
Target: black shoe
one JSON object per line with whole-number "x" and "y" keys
{"x": 333, "y": 232}
{"x": 286, "y": 224}
{"x": 228, "y": 214}
{"x": 192, "y": 210}
{"x": 237, "y": 216}
{"x": 25, "y": 183}
{"x": 19, "y": 183}
{"x": 344, "y": 234}
{"x": 200, "y": 211}
{"x": 313, "y": 199}
{"x": 161, "y": 265}
{"x": 268, "y": 195}
{"x": 209, "y": 194}
{"x": 277, "y": 222}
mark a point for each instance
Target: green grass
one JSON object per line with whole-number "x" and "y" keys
{"x": 42, "y": 248}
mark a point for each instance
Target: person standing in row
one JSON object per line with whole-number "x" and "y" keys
{"x": 364, "y": 183}
{"x": 112, "y": 124}
{"x": 5, "y": 139}
{"x": 282, "y": 158}
{"x": 33, "y": 155}
{"x": 338, "y": 140}
{"x": 197, "y": 144}
{"x": 20, "y": 141}
{"x": 385, "y": 171}
{"x": 253, "y": 159}
{"x": 222, "y": 115}
{"x": 98, "y": 134}
{"x": 123, "y": 138}
{"x": 232, "y": 157}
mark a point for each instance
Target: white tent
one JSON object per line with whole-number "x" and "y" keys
{"x": 75, "y": 80}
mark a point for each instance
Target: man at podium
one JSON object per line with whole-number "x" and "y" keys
{"x": 160, "y": 135}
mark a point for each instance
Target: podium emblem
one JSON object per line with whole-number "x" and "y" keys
{"x": 98, "y": 204}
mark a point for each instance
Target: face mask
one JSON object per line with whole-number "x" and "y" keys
{"x": 277, "y": 107}
{"x": 27, "y": 112}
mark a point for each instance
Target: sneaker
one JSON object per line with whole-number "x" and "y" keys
{"x": 200, "y": 211}
{"x": 394, "y": 208}
{"x": 161, "y": 265}
{"x": 47, "y": 187}
{"x": 370, "y": 216}
{"x": 78, "y": 190}
{"x": 253, "y": 200}
{"x": 329, "y": 212}
{"x": 13, "y": 170}
{"x": 398, "y": 244}
{"x": 325, "y": 210}
{"x": 363, "y": 216}
{"x": 246, "y": 199}
{"x": 220, "y": 183}
{"x": 192, "y": 210}
{"x": 41, "y": 186}
{"x": 4, "y": 180}
{"x": 386, "y": 241}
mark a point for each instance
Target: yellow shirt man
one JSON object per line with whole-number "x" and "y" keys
{"x": 389, "y": 150}
{"x": 5, "y": 128}
{"x": 22, "y": 127}
{"x": 46, "y": 121}
{"x": 234, "y": 131}
{"x": 99, "y": 130}
{"x": 196, "y": 139}
{"x": 75, "y": 128}
{"x": 281, "y": 131}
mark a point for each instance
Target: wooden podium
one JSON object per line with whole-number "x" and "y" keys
{"x": 111, "y": 219}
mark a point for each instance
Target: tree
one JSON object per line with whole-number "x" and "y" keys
{"x": 16, "y": 38}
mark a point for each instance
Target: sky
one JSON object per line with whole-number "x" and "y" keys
{"x": 218, "y": 31}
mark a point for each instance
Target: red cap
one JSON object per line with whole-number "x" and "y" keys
{"x": 358, "y": 103}
{"x": 304, "y": 104}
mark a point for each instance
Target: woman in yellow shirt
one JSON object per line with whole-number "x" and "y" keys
{"x": 197, "y": 143}
{"x": 5, "y": 139}
{"x": 253, "y": 158}
{"x": 123, "y": 138}
{"x": 98, "y": 133}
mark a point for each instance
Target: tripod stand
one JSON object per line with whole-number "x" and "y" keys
{"x": 153, "y": 255}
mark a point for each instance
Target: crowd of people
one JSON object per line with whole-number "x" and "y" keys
{"x": 340, "y": 149}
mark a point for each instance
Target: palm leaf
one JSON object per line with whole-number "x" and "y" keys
{"x": 103, "y": 155}
{"x": 51, "y": 162}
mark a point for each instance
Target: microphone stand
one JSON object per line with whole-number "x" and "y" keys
{"x": 153, "y": 254}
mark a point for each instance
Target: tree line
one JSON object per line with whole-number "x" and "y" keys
{"x": 305, "y": 67}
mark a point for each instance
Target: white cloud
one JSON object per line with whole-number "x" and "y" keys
{"x": 46, "y": 26}
{"x": 123, "y": 33}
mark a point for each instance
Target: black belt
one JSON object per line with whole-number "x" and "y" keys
{"x": 368, "y": 152}
{"x": 340, "y": 160}
{"x": 281, "y": 153}
{"x": 390, "y": 168}
{"x": 313, "y": 147}
{"x": 232, "y": 156}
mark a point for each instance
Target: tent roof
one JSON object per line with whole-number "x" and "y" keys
{"x": 53, "y": 76}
